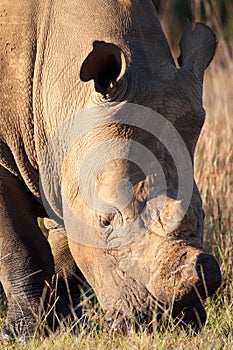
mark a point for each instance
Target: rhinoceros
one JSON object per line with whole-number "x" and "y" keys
{"x": 98, "y": 130}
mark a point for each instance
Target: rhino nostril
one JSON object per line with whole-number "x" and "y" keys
{"x": 209, "y": 274}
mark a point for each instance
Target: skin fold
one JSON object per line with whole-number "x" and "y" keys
{"x": 77, "y": 69}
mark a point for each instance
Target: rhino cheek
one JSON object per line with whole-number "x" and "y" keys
{"x": 97, "y": 267}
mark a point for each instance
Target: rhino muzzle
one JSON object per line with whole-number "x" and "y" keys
{"x": 209, "y": 280}
{"x": 186, "y": 276}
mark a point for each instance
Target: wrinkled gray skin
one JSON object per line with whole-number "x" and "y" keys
{"x": 56, "y": 59}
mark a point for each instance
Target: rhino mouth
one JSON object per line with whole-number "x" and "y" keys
{"x": 193, "y": 315}
{"x": 141, "y": 308}
{"x": 158, "y": 316}
{"x": 152, "y": 313}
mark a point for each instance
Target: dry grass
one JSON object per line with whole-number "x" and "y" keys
{"x": 214, "y": 164}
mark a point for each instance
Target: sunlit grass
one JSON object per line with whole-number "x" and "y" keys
{"x": 214, "y": 169}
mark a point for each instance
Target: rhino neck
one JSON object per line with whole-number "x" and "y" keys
{"x": 17, "y": 57}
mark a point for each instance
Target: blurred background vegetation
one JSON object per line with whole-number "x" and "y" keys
{"x": 218, "y": 14}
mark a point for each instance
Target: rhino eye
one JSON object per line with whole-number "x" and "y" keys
{"x": 105, "y": 223}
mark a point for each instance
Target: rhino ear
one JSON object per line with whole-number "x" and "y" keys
{"x": 197, "y": 48}
{"x": 105, "y": 64}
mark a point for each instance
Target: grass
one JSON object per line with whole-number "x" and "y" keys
{"x": 214, "y": 176}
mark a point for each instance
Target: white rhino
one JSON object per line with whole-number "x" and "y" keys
{"x": 98, "y": 130}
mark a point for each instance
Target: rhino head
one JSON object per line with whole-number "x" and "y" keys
{"x": 127, "y": 195}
